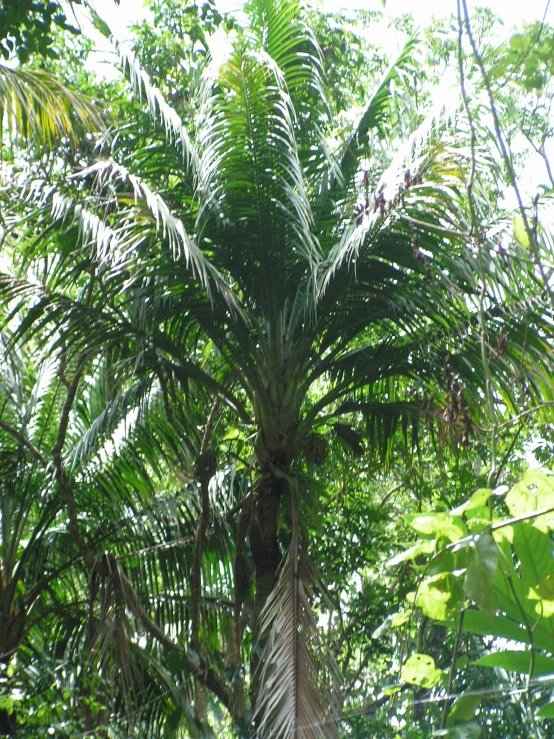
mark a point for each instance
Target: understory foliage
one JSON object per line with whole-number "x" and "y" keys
{"x": 243, "y": 332}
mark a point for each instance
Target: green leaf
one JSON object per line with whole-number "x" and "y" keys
{"x": 520, "y": 233}
{"x": 233, "y": 433}
{"x": 420, "y": 670}
{"x": 400, "y": 618}
{"x": 546, "y": 711}
{"x": 440, "y": 525}
{"x": 534, "y": 492}
{"x": 6, "y": 704}
{"x": 477, "y": 500}
{"x": 438, "y": 596}
{"x": 481, "y": 571}
{"x": 476, "y": 622}
{"x": 514, "y": 661}
{"x": 422, "y": 547}
{"x": 543, "y": 592}
{"x": 463, "y": 710}
{"x": 534, "y": 551}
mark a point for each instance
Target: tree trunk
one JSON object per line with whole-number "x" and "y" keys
{"x": 267, "y": 557}
{"x": 12, "y": 628}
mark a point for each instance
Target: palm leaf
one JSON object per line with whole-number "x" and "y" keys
{"x": 160, "y": 110}
{"x": 34, "y": 104}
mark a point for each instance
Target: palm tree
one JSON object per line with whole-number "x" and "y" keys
{"x": 247, "y": 280}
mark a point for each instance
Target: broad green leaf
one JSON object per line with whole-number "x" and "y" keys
{"x": 400, "y": 618}
{"x": 480, "y": 623}
{"x": 534, "y": 492}
{"x": 481, "y": 571}
{"x": 478, "y": 518}
{"x": 534, "y": 551}
{"x": 544, "y": 589}
{"x": 233, "y": 433}
{"x": 451, "y": 560}
{"x": 543, "y": 592}
{"x": 420, "y": 670}
{"x": 514, "y": 661}
{"x": 480, "y": 497}
{"x": 477, "y": 500}
{"x": 438, "y": 596}
{"x": 463, "y": 710}
{"x": 439, "y": 525}
{"x": 546, "y": 711}
{"x": 422, "y": 547}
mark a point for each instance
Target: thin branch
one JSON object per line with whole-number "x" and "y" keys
{"x": 533, "y": 246}
{"x": 60, "y": 473}
{"x": 205, "y": 468}
{"x": 24, "y": 441}
{"x": 452, "y": 670}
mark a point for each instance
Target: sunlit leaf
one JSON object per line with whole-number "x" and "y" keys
{"x": 420, "y": 670}
{"x": 439, "y": 525}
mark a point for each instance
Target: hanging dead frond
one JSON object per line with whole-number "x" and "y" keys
{"x": 299, "y": 680}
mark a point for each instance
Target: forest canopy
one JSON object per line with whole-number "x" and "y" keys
{"x": 276, "y": 375}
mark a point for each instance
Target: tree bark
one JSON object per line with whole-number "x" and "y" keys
{"x": 12, "y": 629}
{"x": 266, "y": 554}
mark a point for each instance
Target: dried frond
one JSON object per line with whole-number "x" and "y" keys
{"x": 299, "y": 694}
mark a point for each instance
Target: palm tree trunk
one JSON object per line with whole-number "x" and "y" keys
{"x": 12, "y": 621}
{"x": 266, "y": 554}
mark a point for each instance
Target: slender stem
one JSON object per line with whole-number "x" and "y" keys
{"x": 531, "y": 236}
{"x": 475, "y": 228}
{"x": 452, "y": 671}
{"x": 205, "y": 472}
{"x": 62, "y": 478}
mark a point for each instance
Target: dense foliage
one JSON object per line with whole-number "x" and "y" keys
{"x": 27, "y": 27}
{"x": 272, "y": 343}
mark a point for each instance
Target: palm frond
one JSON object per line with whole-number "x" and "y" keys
{"x": 251, "y": 179}
{"x": 159, "y": 109}
{"x": 37, "y": 106}
{"x": 373, "y": 117}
